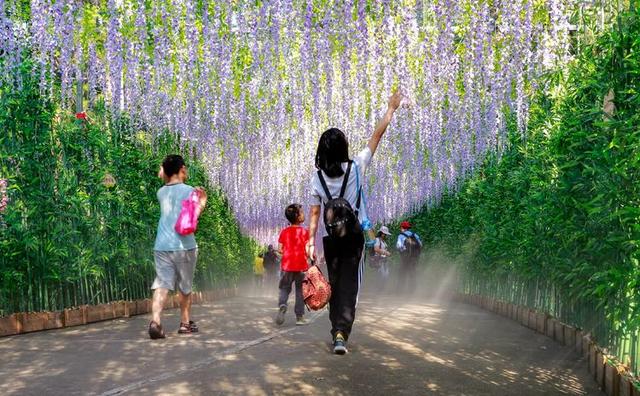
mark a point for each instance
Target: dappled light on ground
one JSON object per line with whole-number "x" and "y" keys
{"x": 400, "y": 345}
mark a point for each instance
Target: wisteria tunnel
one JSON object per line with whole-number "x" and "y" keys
{"x": 493, "y": 249}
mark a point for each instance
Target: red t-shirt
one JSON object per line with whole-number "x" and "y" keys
{"x": 294, "y": 256}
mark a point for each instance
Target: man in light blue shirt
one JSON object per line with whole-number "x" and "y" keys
{"x": 404, "y": 233}
{"x": 175, "y": 255}
{"x": 409, "y": 245}
{"x": 170, "y": 197}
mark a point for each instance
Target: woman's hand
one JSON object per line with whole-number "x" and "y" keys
{"x": 395, "y": 100}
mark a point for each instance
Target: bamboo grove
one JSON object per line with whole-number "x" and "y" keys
{"x": 82, "y": 208}
{"x": 554, "y": 223}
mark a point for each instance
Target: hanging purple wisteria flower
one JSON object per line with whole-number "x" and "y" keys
{"x": 253, "y": 85}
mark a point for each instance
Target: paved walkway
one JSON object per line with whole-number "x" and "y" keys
{"x": 399, "y": 347}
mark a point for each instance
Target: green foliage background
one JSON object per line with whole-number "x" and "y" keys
{"x": 65, "y": 238}
{"x": 555, "y": 221}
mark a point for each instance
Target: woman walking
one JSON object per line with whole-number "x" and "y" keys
{"x": 337, "y": 186}
{"x": 379, "y": 257}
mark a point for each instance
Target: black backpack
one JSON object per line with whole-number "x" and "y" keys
{"x": 340, "y": 220}
{"x": 412, "y": 247}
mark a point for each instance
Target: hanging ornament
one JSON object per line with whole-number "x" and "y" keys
{"x": 108, "y": 180}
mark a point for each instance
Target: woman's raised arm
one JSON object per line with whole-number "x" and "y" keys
{"x": 394, "y": 103}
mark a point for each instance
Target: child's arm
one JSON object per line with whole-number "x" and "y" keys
{"x": 394, "y": 103}
{"x": 280, "y": 248}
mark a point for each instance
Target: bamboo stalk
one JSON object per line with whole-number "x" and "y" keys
{"x": 88, "y": 294}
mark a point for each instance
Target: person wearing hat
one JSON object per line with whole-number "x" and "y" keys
{"x": 409, "y": 246}
{"x": 380, "y": 254}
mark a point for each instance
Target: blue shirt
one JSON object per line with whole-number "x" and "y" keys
{"x": 167, "y": 239}
{"x": 401, "y": 239}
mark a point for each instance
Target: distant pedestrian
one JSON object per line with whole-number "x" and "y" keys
{"x": 258, "y": 271}
{"x": 270, "y": 267}
{"x": 292, "y": 246}
{"x": 337, "y": 185}
{"x": 409, "y": 245}
{"x": 175, "y": 254}
{"x": 380, "y": 254}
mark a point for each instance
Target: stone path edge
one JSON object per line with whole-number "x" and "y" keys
{"x": 28, "y": 322}
{"x": 614, "y": 379}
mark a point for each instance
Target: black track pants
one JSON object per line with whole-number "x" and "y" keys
{"x": 343, "y": 258}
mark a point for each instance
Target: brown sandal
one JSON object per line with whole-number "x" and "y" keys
{"x": 185, "y": 328}
{"x": 155, "y": 331}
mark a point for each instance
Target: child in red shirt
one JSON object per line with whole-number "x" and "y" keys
{"x": 292, "y": 247}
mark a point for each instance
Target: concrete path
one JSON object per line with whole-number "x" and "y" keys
{"x": 399, "y": 347}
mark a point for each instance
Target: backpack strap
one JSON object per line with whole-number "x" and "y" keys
{"x": 324, "y": 185}
{"x": 404, "y": 243}
{"x": 346, "y": 180}
{"x": 344, "y": 183}
{"x": 406, "y": 236}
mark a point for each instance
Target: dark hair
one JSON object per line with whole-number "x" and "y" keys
{"x": 379, "y": 234}
{"x": 172, "y": 164}
{"x": 292, "y": 212}
{"x": 333, "y": 150}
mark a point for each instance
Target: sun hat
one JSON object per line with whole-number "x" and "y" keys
{"x": 405, "y": 224}
{"x": 385, "y": 230}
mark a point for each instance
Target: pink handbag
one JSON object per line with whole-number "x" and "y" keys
{"x": 316, "y": 291}
{"x": 188, "y": 218}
